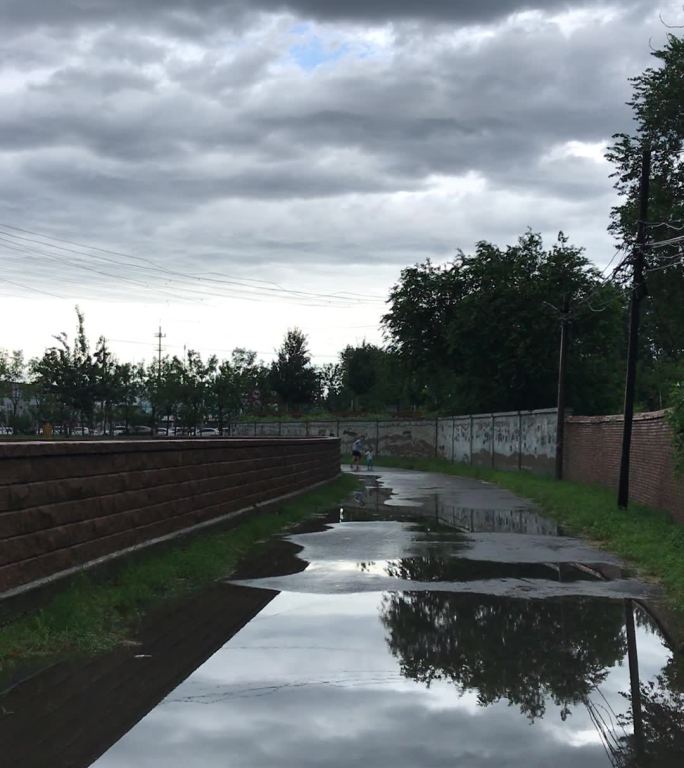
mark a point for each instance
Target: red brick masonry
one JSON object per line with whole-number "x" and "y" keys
{"x": 63, "y": 504}
{"x": 592, "y": 455}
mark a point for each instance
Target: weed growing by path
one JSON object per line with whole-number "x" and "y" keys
{"x": 646, "y": 537}
{"x": 92, "y": 616}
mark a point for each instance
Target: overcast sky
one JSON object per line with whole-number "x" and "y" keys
{"x": 247, "y": 167}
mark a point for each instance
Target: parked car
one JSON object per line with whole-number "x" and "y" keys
{"x": 80, "y": 431}
{"x": 208, "y": 432}
{"x": 141, "y": 429}
{"x": 6, "y": 430}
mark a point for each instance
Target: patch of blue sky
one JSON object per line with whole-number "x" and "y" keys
{"x": 313, "y": 53}
{"x": 301, "y": 28}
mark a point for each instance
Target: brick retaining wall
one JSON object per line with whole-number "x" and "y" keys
{"x": 63, "y": 504}
{"x": 592, "y": 455}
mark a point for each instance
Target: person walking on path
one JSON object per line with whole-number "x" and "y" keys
{"x": 357, "y": 447}
{"x": 369, "y": 458}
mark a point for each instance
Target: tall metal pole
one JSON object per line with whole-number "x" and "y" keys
{"x": 159, "y": 335}
{"x": 632, "y": 349}
{"x": 560, "y": 403}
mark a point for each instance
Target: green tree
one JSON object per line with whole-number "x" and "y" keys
{"x": 480, "y": 334}
{"x": 127, "y": 388}
{"x": 162, "y": 387}
{"x": 292, "y": 376}
{"x": 251, "y": 381}
{"x": 65, "y": 375}
{"x": 104, "y": 369}
{"x": 13, "y": 382}
{"x": 360, "y": 370}
{"x": 195, "y": 389}
{"x": 373, "y": 378}
{"x": 225, "y": 392}
{"x": 658, "y": 110}
{"x": 330, "y": 382}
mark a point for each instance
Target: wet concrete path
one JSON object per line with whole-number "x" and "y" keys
{"x": 433, "y": 621}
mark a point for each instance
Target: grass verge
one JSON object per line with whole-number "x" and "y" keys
{"x": 647, "y": 538}
{"x": 91, "y": 615}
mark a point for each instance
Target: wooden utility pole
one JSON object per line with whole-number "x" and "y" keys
{"x": 634, "y": 306}
{"x": 562, "y": 373}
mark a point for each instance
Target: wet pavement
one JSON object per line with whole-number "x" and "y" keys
{"x": 432, "y": 621}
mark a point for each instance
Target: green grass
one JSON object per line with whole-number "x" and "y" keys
{"x": 95, "y": 615}
{"x": 649, "y": 539}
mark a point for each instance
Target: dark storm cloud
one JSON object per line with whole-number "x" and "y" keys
{"x": 205, "y": 123}
{"x": 190, "y": 17}
{"x": 450, "y": 114}
{"x": 453, "y": 11}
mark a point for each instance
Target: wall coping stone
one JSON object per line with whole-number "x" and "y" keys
{"x": 618, "y": 417}
{"x": 34, "y": 449}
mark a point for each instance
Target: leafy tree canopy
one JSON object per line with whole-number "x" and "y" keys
{"x": 481, "y": 334}
{"x": 658, "y": 110}
{"x": 292, "y": 376}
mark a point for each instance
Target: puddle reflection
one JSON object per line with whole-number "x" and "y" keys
{"x": 392, "y": 636}
{"x": 427, "y": 679}
{"x": 441, "y": 567}
{"x": 533, "y": 653}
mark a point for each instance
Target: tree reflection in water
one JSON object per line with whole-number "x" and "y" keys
{"x": 524, "y": 651}
{"x": 662, "y": 722}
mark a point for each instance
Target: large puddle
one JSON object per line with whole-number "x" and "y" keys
{"x": 432, "y": 622}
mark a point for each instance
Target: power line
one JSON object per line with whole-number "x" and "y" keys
{"x": 666, "y": 224}
{"x": 661, "y": 267}
{"x": 214, "y": 349}
{"x": 29, "y": 288}
{"x": 255, "y": 296}
{"x": 586, "y": 300}
{"x": 665, "y": 243}
{"x": 261, "y": 286}
{"x": 61, "y": 260}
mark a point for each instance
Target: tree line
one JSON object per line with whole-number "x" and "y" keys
{"x": 76, "y": 388}
{"x": 479, "y": 333}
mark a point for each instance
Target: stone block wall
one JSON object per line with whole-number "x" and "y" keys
{"x": 592, "y": 451}
{"x": 63, "y": 504}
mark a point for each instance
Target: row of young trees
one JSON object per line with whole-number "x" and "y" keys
{"x": 73, "y": 386}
